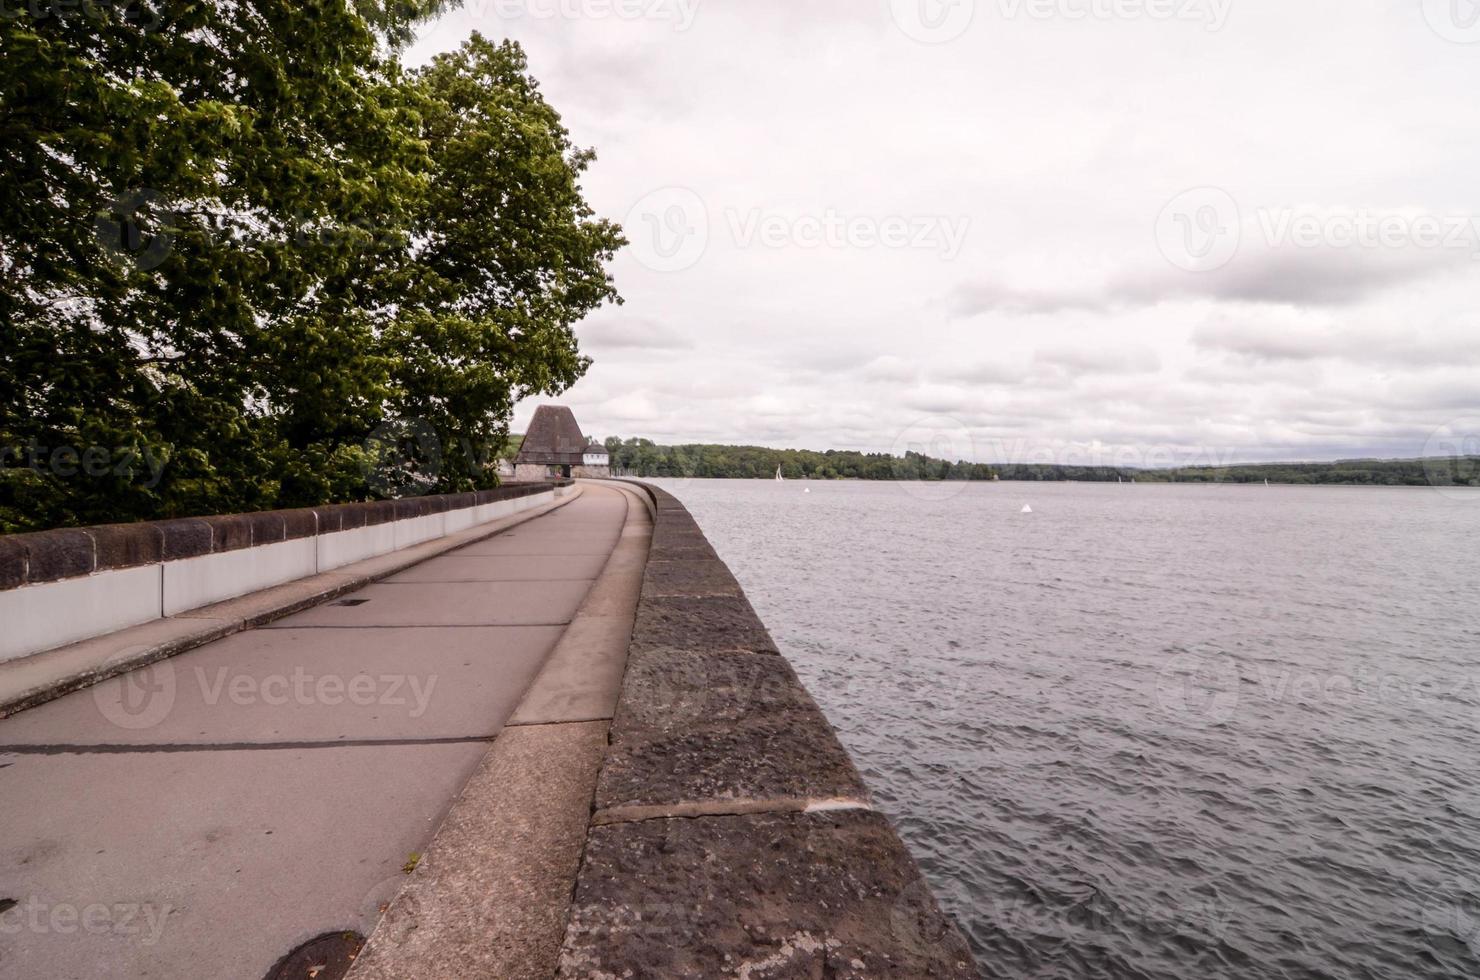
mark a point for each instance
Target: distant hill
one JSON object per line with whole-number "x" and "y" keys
{"x": 643, "y": 457}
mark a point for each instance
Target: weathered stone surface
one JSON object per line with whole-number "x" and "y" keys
{"x": 185, "y": 538}
{"x": 670, "y": 692}
{"x": 670, "y": 531}
{"x": 690, "y": 550}
{"x": 763, "y": 896}
{"x": 12, "y": 562}
{"x": 302, "y": 523}
{"x": 686, "y": 623}
{"x": 267, "y": 527}
{"x": 341, "y": 517}
{"x": 738, "y": 730}
{"x": 57, "y": 555}
{"x": 229, "y": 532}
{"x": 127, "y": 545}
{"x": 689, "y": 578}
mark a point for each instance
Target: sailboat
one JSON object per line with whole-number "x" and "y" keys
{"x": 779, "y": 477}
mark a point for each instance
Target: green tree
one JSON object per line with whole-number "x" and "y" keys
{"x": 238, "y": 239}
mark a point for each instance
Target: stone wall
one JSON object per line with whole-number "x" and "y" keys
{"x": 59, "y": 587}
{"x": 731, "y": 834}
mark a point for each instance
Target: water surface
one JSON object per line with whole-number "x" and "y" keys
{"x": 1149, "y": 730}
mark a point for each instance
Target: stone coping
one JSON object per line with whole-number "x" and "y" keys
{"x": 731, "y": 834}
{"x": 52, "y": 556}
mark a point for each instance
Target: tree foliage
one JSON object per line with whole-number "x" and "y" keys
{"x": 240, "y": 241}
{"x": 643, "y": 457}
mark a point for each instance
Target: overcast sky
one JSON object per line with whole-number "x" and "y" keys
{"x": 1159, "y": 231}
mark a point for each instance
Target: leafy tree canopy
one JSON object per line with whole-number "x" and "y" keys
{"x": 250, "y": 261}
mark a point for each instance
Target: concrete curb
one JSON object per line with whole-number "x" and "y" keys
{"x": 492, "y": 894}
{"x": 29, "y": 681}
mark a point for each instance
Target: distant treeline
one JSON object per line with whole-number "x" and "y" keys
{"x": 643, "y": 457}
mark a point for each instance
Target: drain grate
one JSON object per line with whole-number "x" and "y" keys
{"x": 350, "y": 602}
{"x": 326, "y": 957}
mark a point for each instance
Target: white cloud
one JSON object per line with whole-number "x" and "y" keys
{"x": 1058, "y": 146}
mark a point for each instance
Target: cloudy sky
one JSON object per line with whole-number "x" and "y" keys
{"x": 1156, "y": 231}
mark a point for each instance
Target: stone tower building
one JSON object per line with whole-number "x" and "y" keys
{"x": 554, "y": 447}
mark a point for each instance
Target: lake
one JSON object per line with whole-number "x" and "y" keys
{"x": 1149, "y": 730}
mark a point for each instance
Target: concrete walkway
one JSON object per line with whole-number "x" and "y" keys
{"x": 206, "y": 815}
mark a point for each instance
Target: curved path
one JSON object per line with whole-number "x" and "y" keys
{"x": 204, "y": 816}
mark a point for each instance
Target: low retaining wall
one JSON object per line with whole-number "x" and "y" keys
{"x": 60, "y": 587}
{"x": 731, "y": 835}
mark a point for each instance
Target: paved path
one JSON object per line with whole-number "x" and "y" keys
{"x": 202, "y": 817}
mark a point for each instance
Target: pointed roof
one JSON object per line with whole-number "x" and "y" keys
{"x": 596, "y": 447}
{"x": 553, "y": 437}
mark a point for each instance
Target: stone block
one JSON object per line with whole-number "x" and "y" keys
{"x": 187, "y": 537}
{"x": 705, "y": 729}
{"x": 689, "y": 578}
{"x": 229, "y": 532}
{"x": 689, "y": 623}
{"x": 777, "y": 896}
{"x": 127, "y": 545}
{"x": 55, "y": 555}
